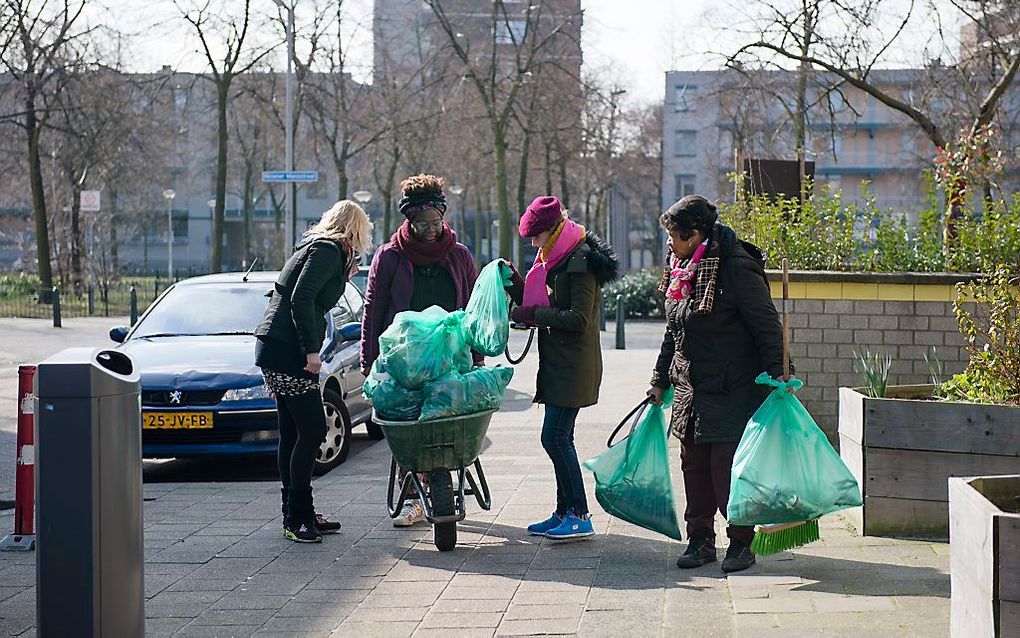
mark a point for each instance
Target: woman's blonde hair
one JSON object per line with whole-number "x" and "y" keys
{"x": 345, "y": 221}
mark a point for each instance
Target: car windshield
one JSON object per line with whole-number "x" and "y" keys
{"x": 206, "y": 309}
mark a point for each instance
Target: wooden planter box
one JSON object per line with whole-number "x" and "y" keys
{"x": 984, "y": 555}
{"x": 903, "y": 448}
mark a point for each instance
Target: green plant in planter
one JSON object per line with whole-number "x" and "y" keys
{"x": 874, "y": 370}
{"x": 988, "y": 313}
{"x": 641, "y": 296}
{"x": 936, "y": 370}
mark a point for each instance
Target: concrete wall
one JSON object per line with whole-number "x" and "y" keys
{"x": 902, "y": 315}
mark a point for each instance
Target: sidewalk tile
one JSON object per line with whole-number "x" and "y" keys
{"x": 854, "y": 603}
{"x": 531, "y": 627}
{"x": 389, "y": 601}
{"x": 244, "y": 600}
{"x": 461, "y": 620}
{"x": 375, "y": 629}
{"x": 234, "y": 617}
{"x": 393, "y": 614}
{"x": 541, "y": 612}
{"x": 205, "y": 631}
{"x": 331, "y": 609}
{"x": 464, "y": 606}
{"x": 303, "y": 624}
{"x": 773, "y": 606}
{"x": 758, "y": 581}
{"x": 455, "y": 592}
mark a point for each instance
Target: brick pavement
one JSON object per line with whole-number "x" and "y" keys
{"x": 216, "y": 564}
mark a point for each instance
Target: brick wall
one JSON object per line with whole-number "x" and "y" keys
{"x": 825, "y": 331}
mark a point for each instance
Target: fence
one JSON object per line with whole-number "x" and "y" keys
{"x": 102, "y": 299}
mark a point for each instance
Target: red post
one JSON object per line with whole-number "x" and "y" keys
{"x": 23, "y": 537}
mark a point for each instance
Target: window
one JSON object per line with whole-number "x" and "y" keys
{"x": 684, "y": 185}
{"x": 686, "y": 143}
{"x": 510, "y": 31}
{"x": 684, "y": 97}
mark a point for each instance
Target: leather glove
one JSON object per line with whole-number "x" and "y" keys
{"x": 515, "y": 276}
{"x": 524, "y": 314}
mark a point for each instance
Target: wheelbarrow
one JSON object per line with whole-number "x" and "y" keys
{"x": 436, "y": 448}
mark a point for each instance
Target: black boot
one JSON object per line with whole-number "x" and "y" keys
{"x": 700, "y": 551}
{"x": 300, "y": 518}
{"x": 738, "y": 557}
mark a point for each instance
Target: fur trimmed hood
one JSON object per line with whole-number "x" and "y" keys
{"x": 602, "y": 261}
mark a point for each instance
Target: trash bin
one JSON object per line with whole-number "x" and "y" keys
{"x": 89, "y": 578}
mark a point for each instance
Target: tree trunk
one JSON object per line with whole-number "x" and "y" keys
{"x": 387, "y": 193}
{"x": 548, "y": 170}
{"x": 42, "y": 235}
{"x": 502, "y": 200}
{"x": 522, "y": 189}
{"x": 114, "y": 258}
{"x": 342, "y": 179}
{"x": 222, "y": 134}
{"x": 76, "y": 237}
{"x": 478, "y": 227}
{"x": 247, "y": 193}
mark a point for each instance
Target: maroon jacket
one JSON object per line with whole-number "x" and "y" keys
{"x": 390, "y": 282}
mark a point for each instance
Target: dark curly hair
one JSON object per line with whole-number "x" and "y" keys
{"x": 420, "y": 191}
{"x": 692, "y": 213}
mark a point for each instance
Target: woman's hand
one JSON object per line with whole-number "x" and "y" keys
{"x": 313, "y": 363}
{"x": 656, "y": 394}
{"x": 515, "y": 277}
{"x": 524, "y": 315}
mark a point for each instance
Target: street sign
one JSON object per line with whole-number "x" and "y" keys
{"x": 290, "y": 176}
{"x": 90, "y": 201}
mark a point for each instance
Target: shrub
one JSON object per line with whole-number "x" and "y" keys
{"x": 988, "y": 312}
{"x": 640, "y": 292}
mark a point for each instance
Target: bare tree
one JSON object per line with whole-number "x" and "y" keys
{"x": 237, "y": 58}
{"x": 38, "y": 41}
{"x": 497, "y": 68}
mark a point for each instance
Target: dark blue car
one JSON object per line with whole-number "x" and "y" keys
{"x": 201, "y": 392}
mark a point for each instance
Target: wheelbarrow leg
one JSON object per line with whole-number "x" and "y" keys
{"x": 481, "y": 495}
{"x": 394, "y": 508}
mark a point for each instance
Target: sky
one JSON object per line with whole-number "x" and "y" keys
{"x": 633, "y": 42}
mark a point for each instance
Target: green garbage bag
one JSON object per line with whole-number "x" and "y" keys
{"x": 455, "y": 394}
{"x": 487, "y": 324}
{"x": 419, "y": 347}
{"x": 632, "y": 478}
{"x": 391, "y": 401}
{"x": 785, "y": 469}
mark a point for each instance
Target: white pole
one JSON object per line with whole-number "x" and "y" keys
{"x": 291, "y": 191}
{"x": 170, "y": 236}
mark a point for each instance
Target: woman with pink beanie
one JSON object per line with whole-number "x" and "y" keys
{"x": 561, "y": 295}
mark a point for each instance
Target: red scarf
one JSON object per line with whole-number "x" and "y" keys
{"x": 424, "y": 253}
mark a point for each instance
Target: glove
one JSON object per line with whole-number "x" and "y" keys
{"x": 515, "y": 276}
{"x": 524, "y": 314}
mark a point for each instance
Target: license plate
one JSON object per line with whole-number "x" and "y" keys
{"x": 176, "y": 420}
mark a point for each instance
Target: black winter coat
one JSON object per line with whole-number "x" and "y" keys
{"x": 311, "y": 282}
{"x": 728, "y": 347}
{"x": 569, "y": 351}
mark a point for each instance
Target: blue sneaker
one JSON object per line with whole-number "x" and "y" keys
{"x": 572, "y": 527}
{"x": 539, "y": 529}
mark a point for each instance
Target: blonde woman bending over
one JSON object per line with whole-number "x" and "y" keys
{"x": 289, "y": 340}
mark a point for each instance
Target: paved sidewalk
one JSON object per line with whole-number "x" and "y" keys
{"x": 217, "y": 565}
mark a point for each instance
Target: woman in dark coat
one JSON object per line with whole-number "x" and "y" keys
{"x": 423, "y": 265}
{"x": 722, "y": 331}
{"x": 289, "y": 340}
{"x": 561, "y": 296}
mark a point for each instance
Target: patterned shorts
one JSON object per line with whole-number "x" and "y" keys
{"x": 285, "y": 385}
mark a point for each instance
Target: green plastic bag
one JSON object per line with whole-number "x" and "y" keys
{"x": 785, "y": 469}
{"x": 488, "y": 311}
{"x": 391, "y": 401}
{"x": 455, "y": 394}
{"x": 419, "y": 347}
{"x": 632, "y": 478}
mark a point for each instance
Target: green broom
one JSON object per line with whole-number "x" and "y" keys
{"x": 772, "y": 539}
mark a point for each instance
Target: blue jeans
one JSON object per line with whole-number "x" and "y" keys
{"x": 558, "y": 441}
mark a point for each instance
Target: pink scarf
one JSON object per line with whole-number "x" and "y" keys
{"x": 680, "y": 277}
{"x": 536, "y": 292}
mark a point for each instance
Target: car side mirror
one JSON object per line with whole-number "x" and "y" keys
{"x": 119, "y": 333}
{"x": 350, "y": 332}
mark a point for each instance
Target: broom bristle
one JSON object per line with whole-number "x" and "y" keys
{"x": 783, "y": 537}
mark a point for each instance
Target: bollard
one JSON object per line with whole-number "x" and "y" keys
{"x": 92, "y": 300}
{"x": 621, "y": 339}
{"x": 155, "y": 288}
{"x": 56, "y": 307}
{"x": 134, "y": 305}
{"x": 23, "y": 538}
{"x": 602, "y": 316}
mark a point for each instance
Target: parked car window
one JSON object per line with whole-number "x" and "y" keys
{"x": 206, "y": 309}
{"x": 342, "y": 312}
{"x": 355, "y": 301}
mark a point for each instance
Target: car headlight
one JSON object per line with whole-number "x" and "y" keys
{"x": 247, "y": 394}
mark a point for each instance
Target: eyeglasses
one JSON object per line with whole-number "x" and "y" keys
{"x": 422, "y": 227}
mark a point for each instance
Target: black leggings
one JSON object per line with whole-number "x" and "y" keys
{"x": 302, "y": 430}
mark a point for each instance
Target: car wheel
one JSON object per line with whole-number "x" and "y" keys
{"x": 337, "y": 445}
{"x": 375, "y": 431}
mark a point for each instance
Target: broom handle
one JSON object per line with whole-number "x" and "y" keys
{"x": 786, "y": 319}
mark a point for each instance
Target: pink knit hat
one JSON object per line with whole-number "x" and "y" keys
{"x": 544, "y": 213}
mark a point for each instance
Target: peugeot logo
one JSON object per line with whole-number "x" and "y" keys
{"x": 175, "y": 397}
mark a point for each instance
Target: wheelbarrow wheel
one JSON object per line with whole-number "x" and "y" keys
{"x": 441, "y": 489}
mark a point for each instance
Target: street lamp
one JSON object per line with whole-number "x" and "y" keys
{"x": 291, "y": 192}
{"x": 169, "y": 195}
{"x": 362, "y": 197}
